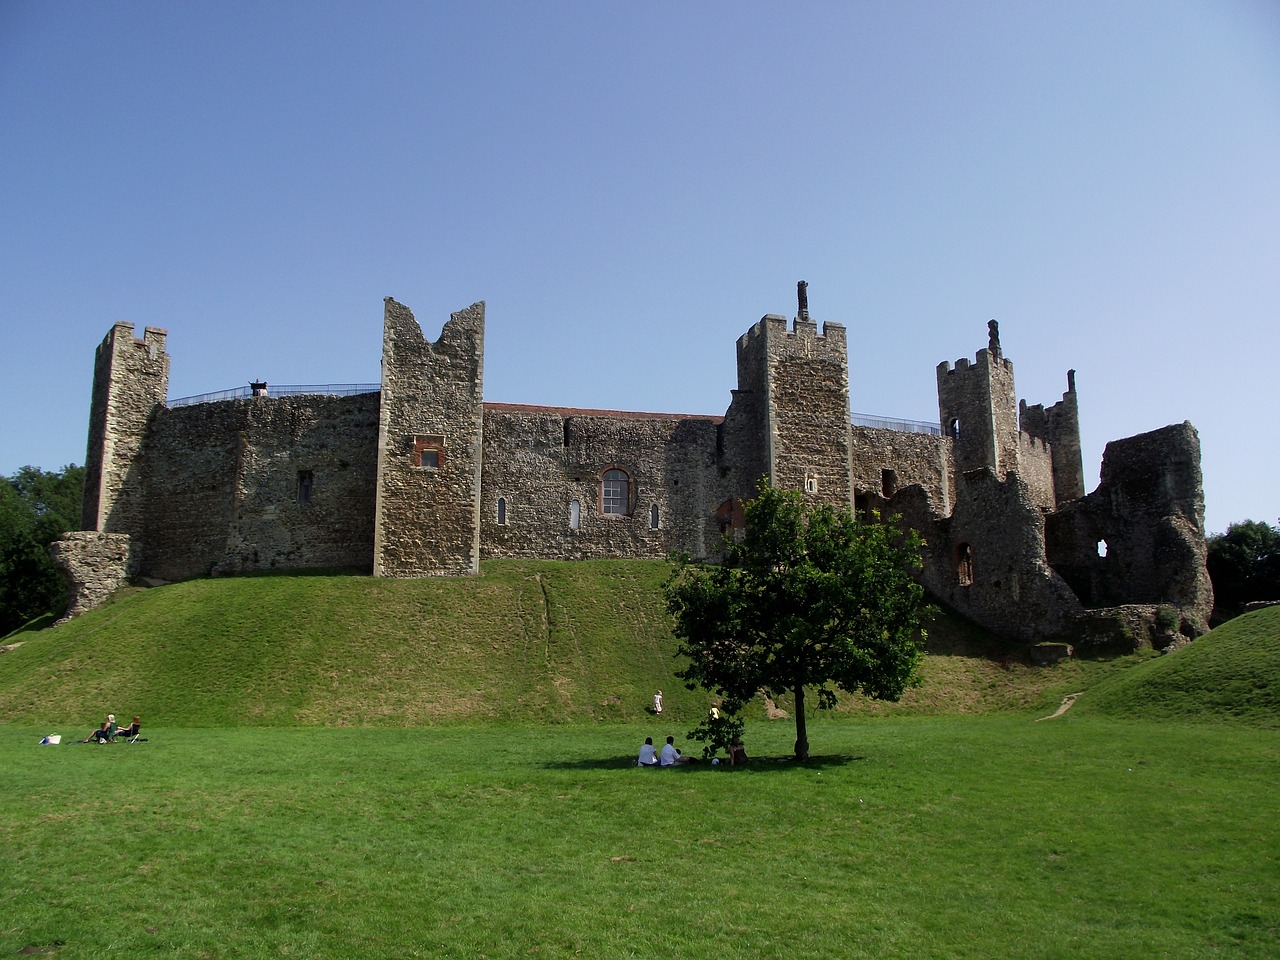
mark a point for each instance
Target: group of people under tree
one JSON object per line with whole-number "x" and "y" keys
{"x": 108, "y": 732}
{"x": 669, "y": 756}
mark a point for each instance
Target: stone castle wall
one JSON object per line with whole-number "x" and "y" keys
{"x": 541, "y": 462}
{"x": 426, "y": 479}
{"x": 265, "y": 483}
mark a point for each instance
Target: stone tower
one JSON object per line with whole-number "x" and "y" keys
{"x": 790, "y": 415}
{"x": 979, "y": 410}
{"x": 430, "y": 437}
{"x": 1059, "y": 426}
{"x": 130, "y": 382}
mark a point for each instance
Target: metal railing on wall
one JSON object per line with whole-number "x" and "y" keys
{"x": 891, "y": 423}
{"x": 286, "y": 390}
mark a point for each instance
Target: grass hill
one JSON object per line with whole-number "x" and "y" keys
{"x": 527, "y": 641}
{"x": 1231, "y": 673}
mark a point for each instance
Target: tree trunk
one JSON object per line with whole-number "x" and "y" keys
{"x": 802, "y": 733}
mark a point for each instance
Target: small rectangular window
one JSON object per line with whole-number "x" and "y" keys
{"x": 306, "y": 481}
{"x": 428, "y": 452}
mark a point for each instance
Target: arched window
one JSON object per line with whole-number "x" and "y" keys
{"x": 615, "y": 492}
{"x": 653, "y": 517}
{"x": 502, "y": 511}
{"x": 575, "y": 515}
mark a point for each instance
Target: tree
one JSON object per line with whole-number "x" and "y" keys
{"x": 1244, "y": 565}
{"x": 36, "y": 507}
{"x": 809, "y": 597}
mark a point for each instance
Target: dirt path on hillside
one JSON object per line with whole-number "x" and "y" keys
{"x": 1067, "y": 701}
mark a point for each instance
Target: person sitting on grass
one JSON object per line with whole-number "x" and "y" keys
{"x": 671, "y": 756}
{"x": 737, "y": 753}
{"x": 131, "y": 730}
{"x": 648, "y": 756}
{"x": 105, "y": 733}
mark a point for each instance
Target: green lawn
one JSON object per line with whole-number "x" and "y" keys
{"x": 906, "y": 837}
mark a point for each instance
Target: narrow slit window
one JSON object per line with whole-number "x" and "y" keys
{"x": 502, "y": 511}
{"x": 575, "y": 515}
{"x": 653, "y": 517}
{"x": 306, "y": 483}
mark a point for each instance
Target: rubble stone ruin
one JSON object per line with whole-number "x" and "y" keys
{"x": 420, "y": 476}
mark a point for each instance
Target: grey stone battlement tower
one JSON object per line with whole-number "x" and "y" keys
{"x": 979, "y": 410}
{"x": 790, "y": 413}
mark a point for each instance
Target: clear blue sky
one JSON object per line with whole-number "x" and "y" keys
{"x": 630, "y": 186}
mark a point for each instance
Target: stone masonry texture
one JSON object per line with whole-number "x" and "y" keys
{"x": 425, "y": 478}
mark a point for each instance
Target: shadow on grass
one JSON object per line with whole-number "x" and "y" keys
{"x": 758, "y": 764}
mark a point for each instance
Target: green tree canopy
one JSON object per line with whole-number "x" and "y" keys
{"x": 809, "y": 597}
{"x": 1244, "y": 565}
{"x": 36, "y": 506}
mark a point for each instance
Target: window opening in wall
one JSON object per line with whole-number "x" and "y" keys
{"x": 306, "y": 481}
{"x": 888, "y": 483}
{"x": 862, "y": 507}
{"x": 964, "y": 564}
{"x": 1102, "y": 548}
{"x": 953, "y": 428}
{"x": 575, "y": 515}
{"x": 615, "y": 490}
{"x": 428, "y": 452}
{"x": 810, "y": 483}
{"x": 653, "y": 517}
{"x": 502, "y": 511}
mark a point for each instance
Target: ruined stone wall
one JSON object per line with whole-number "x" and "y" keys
{"x": 93, "y": 566}
{"x": 1059, "y": 427}
{"x": 541, "y": 461}
{"x": 430, "y": 443}
{"x": 260, "y": 484}
{"x": 886, "y": 462}
{"x": 1035, "y": 467}
{"x": 997, "y": 529}
{"x": 1148, "y": 512}
{"x": 130, "y": 381}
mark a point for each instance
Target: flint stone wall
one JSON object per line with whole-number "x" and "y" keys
{"x": 93, "y": 566}
{"x": 541, "y": 460}
{"x": 224, "y": 489}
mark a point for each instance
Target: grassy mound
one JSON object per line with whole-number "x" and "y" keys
{"x": 1228, "y": 674}
{"x": 525, "y": 642}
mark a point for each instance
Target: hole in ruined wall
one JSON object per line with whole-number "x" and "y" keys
{"x": 953, "y": 428}
{"x": 615, "y": 492}
{"x": 1102, "y": 548}
{"x": 653, "y": 517}
{"x": 428, "y": 452}
{"x": 502, "y": 511}
{"x": 575, "y": 515}
{"x": 962, "y": 559}
{"x": 306, "y": 482}
{"x": 888, "y": 483}
{"x": 862, "y": 507}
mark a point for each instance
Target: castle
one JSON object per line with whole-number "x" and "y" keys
{"x": 419, "y": 476}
